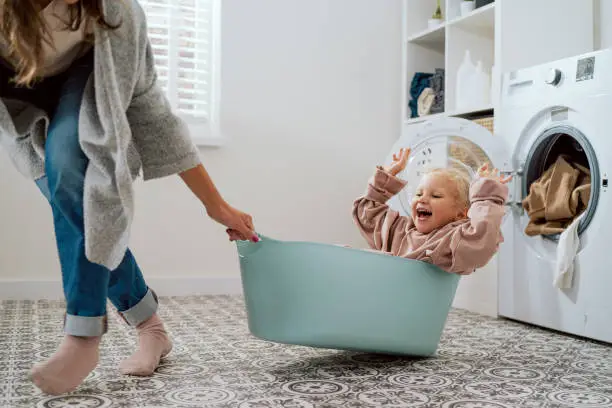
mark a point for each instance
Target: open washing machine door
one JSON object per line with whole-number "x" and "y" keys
{"x": 465, "y": 145}
{"x": 447, "y": 142}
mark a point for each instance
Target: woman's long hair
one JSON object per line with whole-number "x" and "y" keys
{"x": 23, "y": 29}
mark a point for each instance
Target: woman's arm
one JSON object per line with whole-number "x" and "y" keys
{"x": 239, "y": 225}
{"x": 165, "y": 146}
{"x": 200, "y": 183}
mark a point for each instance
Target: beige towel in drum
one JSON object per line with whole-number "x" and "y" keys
{"x": 557, "y": 197}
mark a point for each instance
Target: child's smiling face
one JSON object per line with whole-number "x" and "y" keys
{"x": 436, "y": 203}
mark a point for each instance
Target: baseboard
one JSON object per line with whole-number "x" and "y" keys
{"x": 188, "y": 286}
{"x": 481, "y": 306}
{"x": 207, "y": 285}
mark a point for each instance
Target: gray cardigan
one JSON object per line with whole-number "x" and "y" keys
{"x": 126, "y": 127}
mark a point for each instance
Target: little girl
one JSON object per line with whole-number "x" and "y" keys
{"x": 454, "y": 224}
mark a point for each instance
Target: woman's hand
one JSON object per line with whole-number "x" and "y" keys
{"x": 484, "y": 172}
{"x": 239, "y": 225}
{"x": 399, "y": 162}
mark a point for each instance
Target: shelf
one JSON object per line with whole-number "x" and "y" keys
{"x": 479, "y": 21}
{"x": 460, "y": 113}
{"x": 473, "y": 111}
{"x": 424, "y": 118}
{"x": 430, "y": 38}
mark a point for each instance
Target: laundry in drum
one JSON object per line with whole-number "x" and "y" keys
{"x": 557, "y": 197}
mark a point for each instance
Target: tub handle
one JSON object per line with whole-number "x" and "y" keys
{"x": 246, "y": 248}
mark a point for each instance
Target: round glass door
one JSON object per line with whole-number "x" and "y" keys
{"x": 456, "y": 152}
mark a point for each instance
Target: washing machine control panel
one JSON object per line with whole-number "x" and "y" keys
{"x": 566, "y": 80}
{"x": 553, "y": 77}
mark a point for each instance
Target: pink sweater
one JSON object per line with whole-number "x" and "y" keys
{"x": 458, "y": 247}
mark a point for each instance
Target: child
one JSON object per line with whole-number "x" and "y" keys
{"x": 82, "y": 115}
{"x": 454, "y": 224}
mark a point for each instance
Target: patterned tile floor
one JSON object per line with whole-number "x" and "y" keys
{"x": 482, "y": 363}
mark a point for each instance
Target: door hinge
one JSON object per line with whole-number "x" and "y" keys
{"x": 515, "y": 189}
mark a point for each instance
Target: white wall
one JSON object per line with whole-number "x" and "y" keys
{"x": 602, "y": 12}
{"x": 311, "y": 93}
{"x": 478, "y": 292}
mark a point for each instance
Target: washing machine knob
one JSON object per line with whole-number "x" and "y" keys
{"x": 553, "y": 77}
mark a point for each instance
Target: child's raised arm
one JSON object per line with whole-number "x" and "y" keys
{"x": 382, "y": 227}
{"x": 473, "y": 244}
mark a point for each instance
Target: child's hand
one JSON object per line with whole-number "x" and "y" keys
{"x": 399, "y": 162}
{"x": 484, "y": 172}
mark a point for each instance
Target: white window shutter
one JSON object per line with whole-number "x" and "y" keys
{"x": 184, "y": 35}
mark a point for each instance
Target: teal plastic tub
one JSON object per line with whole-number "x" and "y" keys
{"x": 333, "y": 297}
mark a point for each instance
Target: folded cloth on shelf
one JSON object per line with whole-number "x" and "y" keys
{"x": 420, "y": 81}
{"x": 437, "y": 85}
{"x": 425, "y": 101}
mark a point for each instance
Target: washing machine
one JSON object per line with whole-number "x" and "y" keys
{"x": 562, "y": 107}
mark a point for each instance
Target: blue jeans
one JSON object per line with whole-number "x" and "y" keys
{"x": 86, "y": 285}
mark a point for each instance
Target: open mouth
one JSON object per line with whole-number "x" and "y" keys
{"x": 423, "y": 214}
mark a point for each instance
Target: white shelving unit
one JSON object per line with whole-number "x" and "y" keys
{"x": 457, "y": 113}
{"x": 444, "y": 46}
{"x": 432, "y": 38}
{"x": 480, "y": 21}
{"x": 504, "y": 35}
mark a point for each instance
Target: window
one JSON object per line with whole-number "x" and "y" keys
{"x": 184, "y": 35}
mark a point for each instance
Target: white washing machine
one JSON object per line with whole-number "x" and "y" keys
{"x": 559, "y": 107}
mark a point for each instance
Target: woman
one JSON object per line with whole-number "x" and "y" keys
{"x": 81, "y": 114}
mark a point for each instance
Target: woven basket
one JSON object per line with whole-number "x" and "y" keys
{"x": 466, "y": 152}
{"x": 487, "y": 122}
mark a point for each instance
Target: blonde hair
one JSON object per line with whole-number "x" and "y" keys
{"x": 461, "y": 180}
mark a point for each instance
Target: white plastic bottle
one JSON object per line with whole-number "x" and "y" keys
{"x": 481, "y": 88}
{"x": 464, "y": 79}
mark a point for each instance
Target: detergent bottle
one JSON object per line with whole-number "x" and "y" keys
{"x": 481, "y": 88}
{"x": 465, "y": 73}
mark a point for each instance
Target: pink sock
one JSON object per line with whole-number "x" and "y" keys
{"x": 75, "y": 358}
{"x": 153, "y": 344}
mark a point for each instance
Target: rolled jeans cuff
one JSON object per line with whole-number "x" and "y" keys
{"x": 142, "y": 311}
{"x": 85, "y": 326}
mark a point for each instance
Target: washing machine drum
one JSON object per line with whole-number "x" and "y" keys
{"x": 574, "y": 147}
